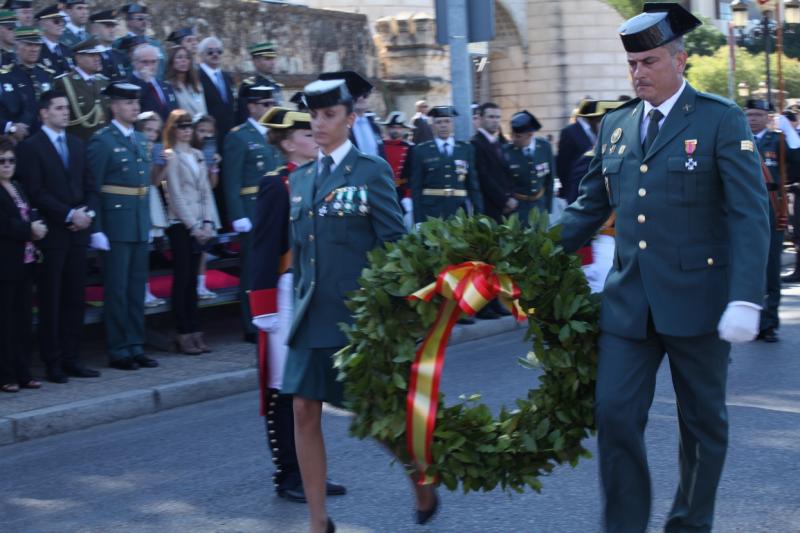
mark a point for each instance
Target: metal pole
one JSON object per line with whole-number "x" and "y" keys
{"x": 765, "y": 22}
{"x": 460, "y": 67}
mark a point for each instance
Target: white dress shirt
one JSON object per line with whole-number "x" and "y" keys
{"x": 338, "y": 155}
{"x": 127, "y": 132}
{"x": 260, "y": 127}
{"x": 365, "y": 136}
{"x": 665, "y": 107}
{"x": 450, "y": 144}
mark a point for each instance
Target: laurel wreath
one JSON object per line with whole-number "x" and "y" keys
{"x": 471, "y": 446}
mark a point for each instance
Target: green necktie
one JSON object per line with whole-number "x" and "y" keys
{"x": 325, "y": 173}
{"x": 652, "y": 129}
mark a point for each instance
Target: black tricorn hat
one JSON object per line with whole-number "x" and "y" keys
{"x": 523, "y": 122}
{"x": 256, "y": 93}
{"x": 134, "y": 8}
{"x": 297, "y": 99}
{"x": 596, "y": 108}
{"x": 122, "y": 91}
{"x": 18, "y": 4}
{"x": 396, "y": 118}
{"x": 281, "y": 118}
{"x": 763, "y": 105}
{"x": 658, "y": 24}
{"x": 357, "y": 84}
{"x": 129, "y": 42}
{"x": 177, "y": 35}
{"x": 326, "y": 93}
{"x": 49, "y": 12}
{"x": 440, "y": 111}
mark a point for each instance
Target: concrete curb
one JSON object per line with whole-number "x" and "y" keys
{"x": 131, "y": 404}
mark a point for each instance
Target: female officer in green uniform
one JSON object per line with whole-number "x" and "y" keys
{"x": 342, "y": 205}
{"x": 532, "y": 165}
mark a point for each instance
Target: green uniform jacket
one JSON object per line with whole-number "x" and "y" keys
{"x": 246, "y": 157}
{"x": 692, "y": 232}
{"x": 432, "y": 170}
{"x": 113, "y": 160}
{"x": 333, "y": 226}
{"x": 88, "y": 107}
{"x": 70, "y": 39}
{"x": 532, "y": 175}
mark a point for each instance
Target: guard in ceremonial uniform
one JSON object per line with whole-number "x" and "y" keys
{"x": 23, "y": 9}
{"x": 398, "y": 155}
{"x": 342, "y": 205}
{"x": 23, "y": 83}
{"x": 55, "y": 56}
{"x": 185, "y": 37}
{"x": 532, "y": 164}
{"x": 263, "y": 56}
{"x": 84, "y": 87}
{"x": 137, "y": 18}
{"x": 246, "y": 157}
{"x": 774, "y": 148}
{"x": 8, "y": 54}
{"x": 116, "y": 65}
{"x": 120, "y": 163}
{"x": 271, "y": 294}
{"x": 680, "y": 169}
{"x": 76, "y": 30}
{"x": 443, "y": 171}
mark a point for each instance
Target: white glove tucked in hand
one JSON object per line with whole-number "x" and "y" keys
{"x": 739, "y": 322}
{"x": 268, "y": 323}
{"x": 408, "y": 205}
{"x": 99, "y": 241}
{"x": 242, "y": 225}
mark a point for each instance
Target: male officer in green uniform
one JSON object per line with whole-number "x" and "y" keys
{"x": 76, "y": 30}
{"x": 680, "y": 170}
{"x": 8, "y": 21}
{"x": 443, "y": 171}
{"x": 137, "y": 19}
{"x": 84, "y": 86}
{"x": 246, "y": 157}
{"x": 120, "y": 164}
{"x": 116, "y": 65}
{"x": 263, "y": 56}
{"x": 769, "y": 147}
{"x": 532, "y": 165}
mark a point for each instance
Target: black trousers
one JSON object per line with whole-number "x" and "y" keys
{"x": 16, "y": 329}
{"x": 60, "y": 295}
{"x": 186, "y": 263}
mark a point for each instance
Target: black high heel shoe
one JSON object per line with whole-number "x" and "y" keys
{"x": 423, "y": 517}
{"x": 331, "y": 526}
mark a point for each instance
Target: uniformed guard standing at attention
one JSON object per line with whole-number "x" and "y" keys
{"x": 263, "y": 56}
{"x": 681, "y": 171}
{"x": 532, "y": 165}
{"x": 443, "y": 171}
{"x": 23, "y": 9}
{"x": 8, "y": 54}
{"x": 55, "y": 56}
{"x": 771, "y": 144}
{"x": 246, "y": 157}
{"x": 137, "y": 19}
{"x": 120, "y": 163}
{"x": 22, "y": 84}
{"x": 77, "y": 28}
{"x": 342, "y": 205}
{"x": 116, "y": 65}
{"x": 84, "y": 86}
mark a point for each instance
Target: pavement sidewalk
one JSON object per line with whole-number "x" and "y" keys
{"x": 179, "y": 380}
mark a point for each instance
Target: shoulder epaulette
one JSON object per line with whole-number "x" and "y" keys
{"x": 62, "y": 75}
{"x": 44, "y": 68}
{"x": 625, "y": 105}
{"x": 249, "y": 81}
{"x": 716, "y": 98}
{"x": 277, "y": 172}
{"x": 590, "y": 153}
{"x": 235, "y": 128}
{"x": 6, "y": 69}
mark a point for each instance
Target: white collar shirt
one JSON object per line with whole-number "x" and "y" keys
{"x": 260, "y": 127}
{"x": 665, "y": 107}
{"x": 338, "y": 155}
{"x": 365, "y": 136}
{"x": 127, "y": 132}
{"x": 440, "y": 143}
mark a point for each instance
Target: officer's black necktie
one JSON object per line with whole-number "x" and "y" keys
{"x": 652, "y": 129}
{"x": 325, "y": 173}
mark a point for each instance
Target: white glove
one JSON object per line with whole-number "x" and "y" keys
{"x": 408, "y": 205}
{"x": 242, "y": 225}
{"x": 739, "y": 322}
{"x": 268, "y": 323}
{"x": 99, "y": 241}
{"x": 792, "y": 138}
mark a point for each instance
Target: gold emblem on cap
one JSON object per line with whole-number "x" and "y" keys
{"x": 616, "y": 135}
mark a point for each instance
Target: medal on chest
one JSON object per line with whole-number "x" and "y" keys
{"x": 690, "y": 146}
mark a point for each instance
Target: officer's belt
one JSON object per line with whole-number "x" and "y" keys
{"x": 125, "y": 191}
{"x": 444, "y": 192}
{"x": 528, "y": 197}
{"x": 248, "y": 190}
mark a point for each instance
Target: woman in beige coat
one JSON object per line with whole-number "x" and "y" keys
{"x": 194, "y": 221}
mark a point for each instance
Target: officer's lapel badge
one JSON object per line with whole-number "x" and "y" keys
{"x": 690, "y": 145}
{"x": 297, "y": 199}
{"x": 747, "y": 146}
{"x": 622, "y": 149}
{"x": 604, "y": 149}
{"x": 613, "y": 149}
{"x": 616, "y": 135}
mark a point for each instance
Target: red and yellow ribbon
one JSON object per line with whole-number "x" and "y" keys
{"x": 466, "y": 288}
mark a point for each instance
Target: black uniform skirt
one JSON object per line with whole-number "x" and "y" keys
{"x": 309, "y": 374}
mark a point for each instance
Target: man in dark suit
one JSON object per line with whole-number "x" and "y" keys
{"x": 52, "y": 166}
{"x": 574, "y": 141}
{"x": 218, "y": 87}
{"x": 494, "y": 174}
{"x": 422, "y": 126}
{"x": 156, "y": 95}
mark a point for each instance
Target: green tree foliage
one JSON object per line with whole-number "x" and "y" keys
{"x": 705, "y": 40}
{"x": 710, "y": 73}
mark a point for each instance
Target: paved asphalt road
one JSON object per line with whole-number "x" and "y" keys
{"x": 205, "y": 468}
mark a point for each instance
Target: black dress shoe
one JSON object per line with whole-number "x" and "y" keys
{"x": 466, "y": 320}
{"x": 423, "y": 517}
{"x": 769, "y": 335}
{"x": 331, "y": 527}
{"x": 145, "y": 362}
{"x": 78, "y": 371}
{"x": 334, "y": 489}
{"x": 56, "y": 376}
{"x": 124, "y": 364}
{"x": 295, "y": 493}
